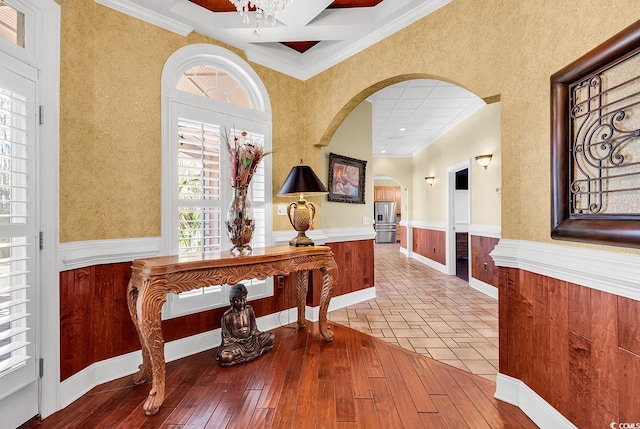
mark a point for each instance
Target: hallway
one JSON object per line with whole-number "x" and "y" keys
{"x": 433, "y": 314}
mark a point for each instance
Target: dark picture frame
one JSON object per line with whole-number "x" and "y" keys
{"x": 566, "y": 224}
{"x": 346, "y": 179}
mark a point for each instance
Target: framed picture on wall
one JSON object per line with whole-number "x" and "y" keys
{"x": 346, "y": 179}
{"x": 595, "y": 144}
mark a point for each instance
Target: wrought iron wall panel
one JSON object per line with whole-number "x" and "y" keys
{"x": 605, "y": 140}
{"x": 595, "y": 144}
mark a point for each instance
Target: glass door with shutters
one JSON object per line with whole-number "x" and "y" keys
{"x": 18, "y": 242}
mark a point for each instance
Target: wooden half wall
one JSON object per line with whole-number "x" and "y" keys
{"x": 578, "y": 348}
{"x": 430, "y": 243}
{"x": 482, "y": 266}
{"x": 95, "y": 324}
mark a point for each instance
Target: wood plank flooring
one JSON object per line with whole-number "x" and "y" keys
{"x": 356, "y": 381}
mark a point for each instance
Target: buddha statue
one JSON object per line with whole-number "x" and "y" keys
{"x": 241, "y": 340}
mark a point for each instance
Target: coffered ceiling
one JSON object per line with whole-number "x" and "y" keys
{"x": 308, "y": 37}
{"x": 313, "y": 35}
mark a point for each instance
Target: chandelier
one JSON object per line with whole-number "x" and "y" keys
{"x": 265, "y": 11}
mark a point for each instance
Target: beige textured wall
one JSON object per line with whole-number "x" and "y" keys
{"x": 479, "y": 134}
{"x": 353, "y": 139}
{"x": 400, "y": 169}
{"x": 110, "y": 102}
{"x": 491, "y": 47}
{"x": 110, "y": 136}
{"x": 377, "y": 182}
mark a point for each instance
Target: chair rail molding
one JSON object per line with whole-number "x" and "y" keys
{"x": 330, "y": 235}
{"x": 79, "y": 254}
{"x": 586, "y": 267}
{"x": 486, "y": 230}
{"x": 436, "y": 226}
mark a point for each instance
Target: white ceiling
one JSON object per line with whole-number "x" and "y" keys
{"x": 410, "y": 115}
{"x": 427, "y": 109}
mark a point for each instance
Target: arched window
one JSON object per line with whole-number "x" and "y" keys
{"x": 210, "y": 94}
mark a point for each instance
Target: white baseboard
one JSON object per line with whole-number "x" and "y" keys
{"x": 120, "y": 366}
{"x": 110, "y": 369}
{"x": 338, "y": 302}
{"x": 430, "y": 262}
{"x": 515, "y": 392}
{"x": 483, "y": 287}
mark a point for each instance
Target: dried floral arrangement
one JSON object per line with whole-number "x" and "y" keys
{"x": 245, "y": 156}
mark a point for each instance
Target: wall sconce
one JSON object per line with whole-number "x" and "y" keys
{"x": 484, "y": 160}
{"x": 430, "y": 180}
{"x": 301, "y": 181}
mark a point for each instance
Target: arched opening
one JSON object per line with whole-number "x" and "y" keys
{"x": 430, "y": 222}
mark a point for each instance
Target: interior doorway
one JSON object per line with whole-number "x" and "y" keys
{"x": 458, "y": 220}
{"x": 462, "y": 224}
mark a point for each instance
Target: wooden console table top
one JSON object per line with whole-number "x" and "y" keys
{"x": 153, "y": 278}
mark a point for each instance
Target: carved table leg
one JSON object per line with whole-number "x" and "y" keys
{"x": 329, "y": 275}
{"x": 148, "y": 306}
{"x": 302, "y": 284}
{"x": 144, "y": 370}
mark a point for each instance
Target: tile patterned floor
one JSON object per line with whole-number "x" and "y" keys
{"x": 421, "y": 309}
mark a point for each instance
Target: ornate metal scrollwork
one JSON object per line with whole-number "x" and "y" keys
{"x": 605, "y": 140}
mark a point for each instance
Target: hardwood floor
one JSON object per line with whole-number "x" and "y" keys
{"x": 356, "y": 381}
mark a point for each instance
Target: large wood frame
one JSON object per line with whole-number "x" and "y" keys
{"x": 153, "y": 278}
{"x": 601, "y": 229}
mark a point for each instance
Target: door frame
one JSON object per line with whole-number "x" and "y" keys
{"x": 47, "y": 60}
{"x": 42, "y": 52}
{"x": 451, "y": 214}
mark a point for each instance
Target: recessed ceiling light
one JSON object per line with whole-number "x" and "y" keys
{"x": 383, "y": 151}
{"x": 402, "y": 129}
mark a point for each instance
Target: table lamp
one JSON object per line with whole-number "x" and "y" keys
{"x": 300, "y": 181}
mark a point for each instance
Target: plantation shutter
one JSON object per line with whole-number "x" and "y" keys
{"x": 199, "y": 206}
{"x": 16, "y": 178}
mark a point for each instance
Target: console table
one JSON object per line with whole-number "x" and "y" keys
{"x": 153, "y": 278}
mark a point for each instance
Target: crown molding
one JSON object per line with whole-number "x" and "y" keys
{"x": 586, "y": 267}
{"x": 148, "y": 15}
{"x": 183, "y": 17}
{"x": 325, "y": 55}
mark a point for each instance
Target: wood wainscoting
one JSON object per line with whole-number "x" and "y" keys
{"x": 402, "y": 233}
{"x": 481, "y": 248}
{"x": 430, "y": 243}
{"x": 578, "y": 348}
{"x": 355, "y": 270}
{"x": 95, "y": 323}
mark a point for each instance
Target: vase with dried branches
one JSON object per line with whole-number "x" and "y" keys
{"x": 245, "y": 157}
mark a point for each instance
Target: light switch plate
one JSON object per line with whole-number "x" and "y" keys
{"x": 366, "y": 220}
{"x": 282, "y": 209}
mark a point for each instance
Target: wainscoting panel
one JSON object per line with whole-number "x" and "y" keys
{"x": 402, "y": 233}
{"x": 480, "y": 249}
{"x": 578, "y": 348}
{"x": 430, "y": 244}
{"x": 95, "y": 324}
{"x": 355, "y": 269}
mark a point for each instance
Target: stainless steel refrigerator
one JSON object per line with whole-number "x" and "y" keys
{"x": 384, "y": 213}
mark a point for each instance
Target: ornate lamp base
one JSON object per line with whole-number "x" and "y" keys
{"x": 300, "y": 240}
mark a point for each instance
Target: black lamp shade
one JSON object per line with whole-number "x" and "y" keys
{"x": 302, "y": 180}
